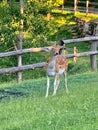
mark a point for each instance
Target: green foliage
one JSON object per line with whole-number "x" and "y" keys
{"x": 37, "y": 31}
{"x": 36, "y": 27}
{"x": 58, "y": 2}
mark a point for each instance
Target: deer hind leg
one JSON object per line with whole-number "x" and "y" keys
{"x": 65, "y": 79}
{"x": 48, "y": 84}
{"x": 56, "y": 83}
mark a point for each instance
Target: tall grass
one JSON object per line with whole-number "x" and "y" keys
{"x": 30, "y": 110}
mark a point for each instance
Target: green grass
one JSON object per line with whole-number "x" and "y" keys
{"x": 30, "y": 110}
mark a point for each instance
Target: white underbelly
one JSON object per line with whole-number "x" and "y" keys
{"x": 61, "y": 71}
{"x": 51, "y": 69}
{"x": 51, "y": 72}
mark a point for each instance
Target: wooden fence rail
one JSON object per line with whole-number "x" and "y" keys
{"x": 42, "y": 64}
{"x": 23, "y": 51}
{"x": 47, "y": 49}
{"x": 21, "y": 68}
{"x": 89, "y": 6}
{"x": 91, "y": 38}
{"x": 92, "y": 53}
{"x": 94, "y": 43}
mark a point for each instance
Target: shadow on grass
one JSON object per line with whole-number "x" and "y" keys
{"x": 30, "y": 88}
{"x": 8, "y": 93}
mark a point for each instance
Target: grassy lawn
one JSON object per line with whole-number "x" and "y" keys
{"x": 24, "y": 106}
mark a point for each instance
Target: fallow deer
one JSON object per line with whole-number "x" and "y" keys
{"x": 56, "y": 65}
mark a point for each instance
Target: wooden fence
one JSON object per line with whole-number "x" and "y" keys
{"x": 88, "y": 7}
{"x": 92, "y": 53}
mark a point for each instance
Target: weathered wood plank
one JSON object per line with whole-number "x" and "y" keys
{"x": 46, "y": 49}
{"x": 21, "y": 68}
{"x": 93, "y": 59}
{"x": 19, "y": 52}
{"x": 82, "y": 54}
{"x": 91, "y": 38}
{"x": 42, "y": 64}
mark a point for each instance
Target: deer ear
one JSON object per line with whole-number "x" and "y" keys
{"x": 61, "y": 42}
{"x": 60, "y": 51}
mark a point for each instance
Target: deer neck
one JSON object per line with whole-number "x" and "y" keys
{"x": 52, "y": 62}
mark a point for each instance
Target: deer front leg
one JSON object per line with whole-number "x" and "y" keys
{"x": 56, "y": 83}
{"x": 65, "y": 78}
{"x": 48, "y": 84}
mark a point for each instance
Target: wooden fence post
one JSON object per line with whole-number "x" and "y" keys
{"x": 19, "y": 74}
{"x": 75, "y": 52}
{"x": 75, "y": 6}
{"x": 63, "y": 1}
{"x": 87, "y": 7}
{"x": 93, "y": 59}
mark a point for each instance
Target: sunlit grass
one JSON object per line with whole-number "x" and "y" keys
{"x": 87, "y": 18}
{"x": 60, "y": 11}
